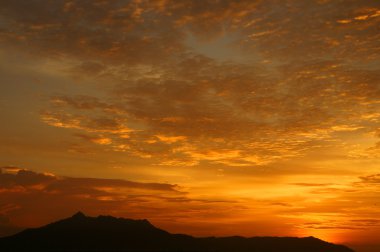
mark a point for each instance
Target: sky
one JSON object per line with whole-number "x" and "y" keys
{"x": 211, "y": 118}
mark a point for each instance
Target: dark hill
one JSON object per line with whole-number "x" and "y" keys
{"x": 106, "y": 233}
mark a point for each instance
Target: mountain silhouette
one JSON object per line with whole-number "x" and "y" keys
{"x": 107, "y": 233}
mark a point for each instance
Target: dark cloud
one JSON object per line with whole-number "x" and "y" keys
{"x": 108, "y": 32}
{"x": 371, "y": 179}
{"x": 49, "y": 182}
{"x": 312, "y": 184}
{"x": 23, "y": 178}
{"x": 45, "y": 198}
{"x": 78, "y": 102}
{"x": 351, "y": 224}
{"x": 333, "y": 227}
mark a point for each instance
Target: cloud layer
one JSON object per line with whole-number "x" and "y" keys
{"x": 310, "y": 71}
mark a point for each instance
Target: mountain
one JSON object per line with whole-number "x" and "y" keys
{"x": 107, "y": 233}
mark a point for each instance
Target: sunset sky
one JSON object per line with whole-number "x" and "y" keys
{"x": 209, "y": 117}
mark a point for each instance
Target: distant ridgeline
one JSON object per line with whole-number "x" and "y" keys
{"x": 106, "y": 233}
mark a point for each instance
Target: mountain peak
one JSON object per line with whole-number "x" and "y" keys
{"x": 107, "y": 233}
{"x": 79, "y": 214}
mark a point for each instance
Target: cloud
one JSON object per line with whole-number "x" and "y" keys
{"x": 34, "y": 199}
{"x": 370, "y": 179}
{"x": 26, "y": 178}
{"x": 95, "y": 139}
{"x": 104, "y": 123}
{"x": 220, "y": 108}
{"x": 348, "y": 208}
{"x": 295, "y": 92}
{"x": 46, "y": 196}
{"x": 108, "y": 32}
{"x": 335, "y": 227}
{"x": 312, "y": 184}
{"x": 23, "y": 178}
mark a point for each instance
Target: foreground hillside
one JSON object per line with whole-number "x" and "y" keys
{"x": 106, "y": 233}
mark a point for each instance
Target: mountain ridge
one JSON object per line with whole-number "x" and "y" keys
{"x": 107, "y": 233}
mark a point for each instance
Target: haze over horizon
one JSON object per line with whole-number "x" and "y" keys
{"x": 212, "y": 117}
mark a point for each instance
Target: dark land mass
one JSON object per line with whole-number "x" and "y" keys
{"x": 107, "y": 233}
